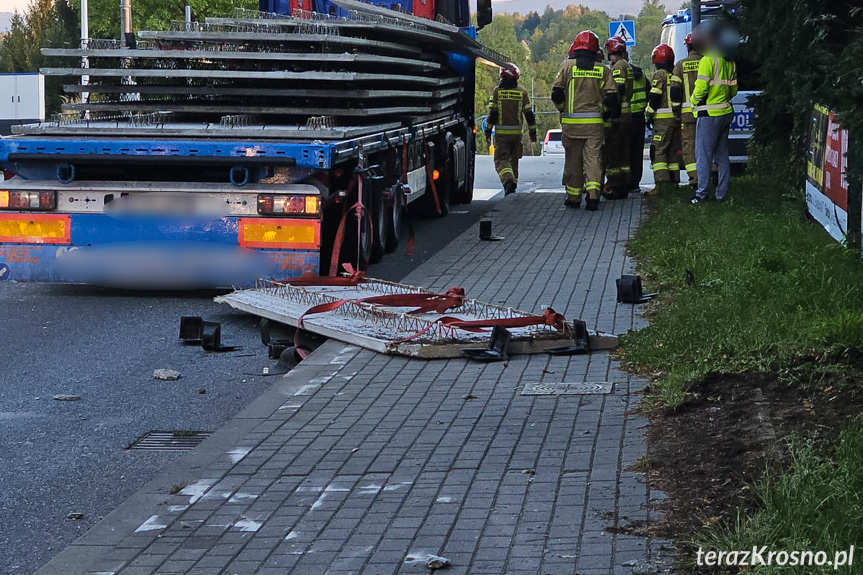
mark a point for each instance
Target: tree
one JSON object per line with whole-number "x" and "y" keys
{"x": 45, "y": 23}
{"x": 648, "y": 29}
{"x": 154, "y": 14}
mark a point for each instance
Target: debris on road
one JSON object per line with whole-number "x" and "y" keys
{"x": 64, "y": 397}
{"x": 429, "y": 560}
{"x": 166, "y": 374}
{"x": 75, "y": 516}
{"x": 485, "y": 233}
{"x": 400, "y": 319}
{"x": 436, "y": 562}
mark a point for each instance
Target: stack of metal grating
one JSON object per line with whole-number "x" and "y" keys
{"x": 286, "y": 74}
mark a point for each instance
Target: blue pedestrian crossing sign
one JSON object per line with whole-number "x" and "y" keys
{"x": 624, "y": 29}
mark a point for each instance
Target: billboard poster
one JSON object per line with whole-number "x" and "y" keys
{"x": 827, "y": 164}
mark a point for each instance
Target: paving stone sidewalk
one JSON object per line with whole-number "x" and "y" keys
{"x": 368, "y": 463}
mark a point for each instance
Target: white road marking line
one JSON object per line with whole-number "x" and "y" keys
{"x": 150, "y": 525}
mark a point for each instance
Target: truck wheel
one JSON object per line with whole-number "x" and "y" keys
{"x": 357, "y": 244}
{"x": 395, "y": 213}
{"x": 381, "y": 219}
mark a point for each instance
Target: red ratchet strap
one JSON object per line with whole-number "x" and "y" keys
{"x": 430, "y": 175}
{"x": 340, "y": 232}
{"x": 453, "y": 298}
{"x": 548, "y": 317}
{"x": 353, "y": 278}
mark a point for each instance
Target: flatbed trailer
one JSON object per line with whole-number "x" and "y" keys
{"x": 203, "y": 174}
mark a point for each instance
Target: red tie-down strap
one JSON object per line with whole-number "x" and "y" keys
{"x": 548, "y": 317}
{"x": 430, "y": 175}
{"x": 354, "y": 278}
{"x": 421, "y": 302}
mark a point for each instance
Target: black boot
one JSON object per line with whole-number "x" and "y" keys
{"x": 509, "y": 187}
{"x": 591, "y": 205}
{"x": 571, "y": 202}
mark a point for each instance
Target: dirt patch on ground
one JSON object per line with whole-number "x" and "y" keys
{"x": 706, "y": 453}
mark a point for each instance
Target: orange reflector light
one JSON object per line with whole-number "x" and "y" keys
{"x": 311, "y": 204}
{"x": 435, "y": 174}
{"x": 4, "y": 199}
{"x": 34, "y": 229}
{"x": 279, "y": 233}
{"x": 269, "y": 204}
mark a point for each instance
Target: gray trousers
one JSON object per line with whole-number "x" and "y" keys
{"x": 711, "y": 147}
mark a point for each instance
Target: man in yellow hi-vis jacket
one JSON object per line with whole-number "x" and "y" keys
{"x": 715, "y": 87}
{"x": 507, "y": 105}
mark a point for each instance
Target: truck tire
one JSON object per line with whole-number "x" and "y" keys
{"x": 357, "y": 244}
{"x": 382, "y": 223}
{"x": 395, "y": 212}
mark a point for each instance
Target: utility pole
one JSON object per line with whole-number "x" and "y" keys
{"x": 85, "y": 42}
{"x": 125, "y": 20}
{"x": 696, "y": 12}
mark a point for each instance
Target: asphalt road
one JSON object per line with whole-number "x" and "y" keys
{"x": 62, "y": 457}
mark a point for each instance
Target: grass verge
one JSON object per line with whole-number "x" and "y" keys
{"x": 768, "y": 290}
{"x": 752, "y": 286}
{"x": 813, "y": 506}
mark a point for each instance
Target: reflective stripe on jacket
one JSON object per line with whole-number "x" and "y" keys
{"x": 510, "y": 105}
{"x": 715, "y": 86}
{"x": 639, "y": 93}
{"x": 584, "y": 91}
{"x": 661, "y": 86}
{"x": 687, "y": 71}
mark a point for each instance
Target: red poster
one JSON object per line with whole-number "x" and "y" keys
{"x": 836, "y": 164}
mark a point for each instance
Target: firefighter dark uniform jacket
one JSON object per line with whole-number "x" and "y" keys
{"x": 661, "y": 107}
{"x": 508, "y": 104}
{"x": 687, "y": 71}
{"x": 623, "y": 76}
{"x": 583, "y": 93}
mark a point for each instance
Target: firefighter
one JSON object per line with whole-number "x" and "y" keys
{"x": 506, "y": 106}
{"x": 585, "y": 94}
{"x": 617, "y": 138}
{"x": 636, "y": 132}
{"x": 715, "y": 87}
{"x": 687, "y": 71}
{"x": 663, "y": 115}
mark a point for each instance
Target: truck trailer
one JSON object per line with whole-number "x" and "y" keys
{"x": 265, "y": 144}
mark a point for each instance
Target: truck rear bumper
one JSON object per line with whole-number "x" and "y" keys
{"x": 100, "y": 250}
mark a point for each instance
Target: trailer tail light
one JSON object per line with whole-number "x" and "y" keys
{"x": 34, "y": 229}
{"x": 11, "y": 200}
{"x": 271, "y": 204}
{"x": 302, "y": 234}
{"x": 435, "y": 175}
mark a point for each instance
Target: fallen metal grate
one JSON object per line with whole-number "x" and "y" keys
{"x": 581, "y": 388}
{"x": 170, "y": 440}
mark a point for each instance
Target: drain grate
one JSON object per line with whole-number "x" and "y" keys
{"x": 170, "y": 440}
{"x": 581, "y": 388}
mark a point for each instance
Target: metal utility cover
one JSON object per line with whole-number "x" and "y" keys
{"x": 170, "y": 440}
{"x": 580, "y": 388}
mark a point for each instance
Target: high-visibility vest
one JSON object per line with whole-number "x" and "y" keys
{"x": 715, "y": 86}
{"x": 639, "y": 91}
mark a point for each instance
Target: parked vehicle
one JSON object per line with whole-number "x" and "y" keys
{"x": 553, "y": 143}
